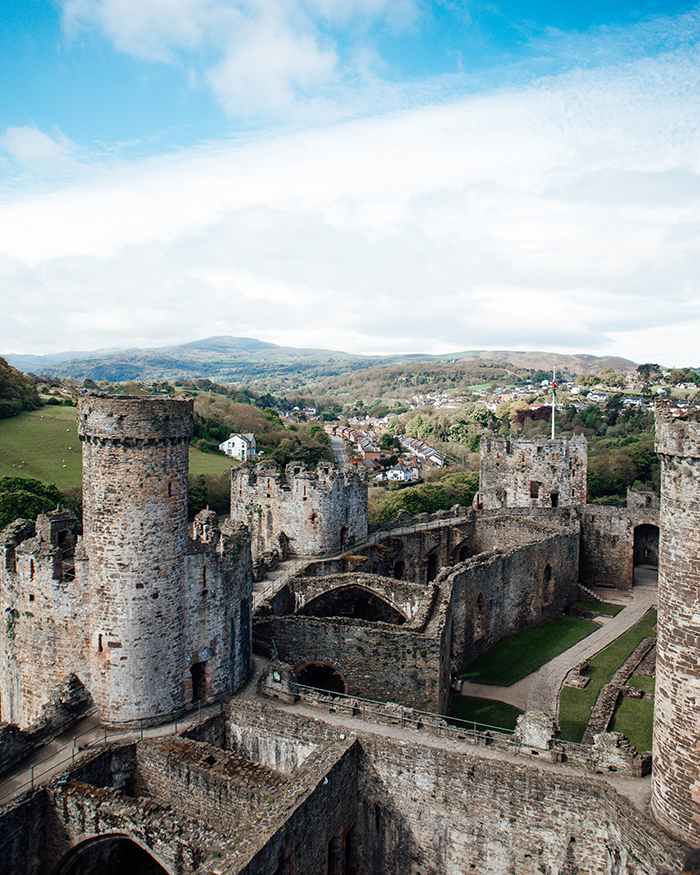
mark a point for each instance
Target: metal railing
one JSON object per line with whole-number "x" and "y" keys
{"x": 393, "y": 713}
{"x": 99, "y": 738}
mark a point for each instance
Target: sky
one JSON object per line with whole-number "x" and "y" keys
{"x": 373, "y": 176}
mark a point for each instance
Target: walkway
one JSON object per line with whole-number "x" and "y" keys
{"x": 58, "y": 755}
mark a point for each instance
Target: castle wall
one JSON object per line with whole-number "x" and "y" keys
{"x": 297, "y": 511}
{"x": 607, "y": 543}
{"x": 432, "y": 811}
{"x": 376, "y": 661}
{"x": 45, "y": 615}
{"x": 533, "y": 472}
{"x": 404, "y": 549}
{"x": 676, "y": 775}
{"x": 497, "y": 595}
{"x": 217, "y": 608}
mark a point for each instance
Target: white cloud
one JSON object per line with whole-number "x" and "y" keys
{"x": 565, "y": 215}
{"x": 259, "y": 56}
{"x": 30, "y": 146}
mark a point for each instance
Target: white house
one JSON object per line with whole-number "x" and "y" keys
{"x": 239, "y": 446}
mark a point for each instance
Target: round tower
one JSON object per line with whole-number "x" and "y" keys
{"x": 676, "y": 774}
{"x": 135, "y": 464}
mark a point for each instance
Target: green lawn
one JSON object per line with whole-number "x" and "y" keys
{"x": 44, "y": 445}
{"x": 210, "y": 463}
{"x": 517, "y": 657}
{"x": 485, "y": 711}
{"x": 575, "y": 705}
{"x": 635, "y": 719}
{"x": 601, "y": 608}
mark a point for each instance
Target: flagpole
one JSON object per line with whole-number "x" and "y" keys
{"x": 554, "y": 392}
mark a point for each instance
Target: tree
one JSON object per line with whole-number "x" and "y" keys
{"x": 26, "y": 498}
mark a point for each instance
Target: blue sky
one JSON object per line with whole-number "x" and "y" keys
{"x": 368, "y": 175}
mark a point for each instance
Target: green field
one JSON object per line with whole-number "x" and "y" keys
{"x": 44, "y": 445}
{"x": 517, "y": 657}
{"x": 601, "y": 608}
{"x": 486, "y": 711}
{"x": 575, "y": 705}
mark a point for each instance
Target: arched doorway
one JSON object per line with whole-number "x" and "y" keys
{"x": 399, "y": 569}
{"x": 432, "y": 568}
{"x": 646, "y": 545}
{"x": 321, "y": 677}
{"x": 344, "y": 536}
{"x": 113, "y": 854}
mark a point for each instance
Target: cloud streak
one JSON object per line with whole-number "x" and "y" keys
{"x": 562, "y": 214}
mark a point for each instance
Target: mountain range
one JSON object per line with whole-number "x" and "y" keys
{"x": 228, "y": 359}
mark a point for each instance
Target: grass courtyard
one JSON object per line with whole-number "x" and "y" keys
{"x": 634, "y": 715}
{"x": 517, "y": 657}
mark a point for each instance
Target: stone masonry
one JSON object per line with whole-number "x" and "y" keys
{"x": 298, "y": 512}
{"x": 532, "y": 472}
{"x": 676, "y": 776}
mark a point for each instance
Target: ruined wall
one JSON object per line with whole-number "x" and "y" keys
{"x": 404, "y": 551}
{"x": 298, "y": 511}
{"x": 376, "y": 660}
{"x": 676, "y": 776}
{"x": 217, "y": 608}
{"x": 435, "y": 812}
{"x": 45, "y": 614}
{"x": 607, "y": 543}
{"x": 532, "y": 472}
{"x": 496, "y": 595}
{"x": 23, "y": 825}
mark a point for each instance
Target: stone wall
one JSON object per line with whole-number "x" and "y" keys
{"x": 497, "y": 595}
{"x": 431, "y": 811}
{"x": 375, "y": 660}
{"x": 533, "y": 472}
{"x": 42, "y": 635}
{"x": 299, "y": 512}
{"x": 419, "y": 548}
{"x": 607, "y": 543}
{"x": 676, "y": 777}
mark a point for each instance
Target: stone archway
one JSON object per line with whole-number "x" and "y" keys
{"x": 321, "y": 676}
{"x": 646, "y": 545}
{"x": 431, "y": 571}
{"x": 111, "y": 854}
{"x": 353, "y": 601}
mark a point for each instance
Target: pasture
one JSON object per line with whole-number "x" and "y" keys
{"x": 44, "y": 445}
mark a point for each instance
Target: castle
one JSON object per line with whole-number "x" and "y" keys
{"x": 146, "y": 618}
{"x": 356, "y": 787}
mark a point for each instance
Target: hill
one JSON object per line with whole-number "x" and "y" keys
{"x": 272, "y": 367}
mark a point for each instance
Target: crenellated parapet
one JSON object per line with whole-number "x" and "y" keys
{"x": 298, "y": 510}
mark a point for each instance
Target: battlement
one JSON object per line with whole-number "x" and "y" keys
{"x": 677, "y": 435}
{"x": 299, "y": 511}
{"x": 124, "y": 418}
{"x": 533, "y": 472}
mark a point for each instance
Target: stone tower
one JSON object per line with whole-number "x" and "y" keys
{"x": 676, "y": 777}
{"x": 135, "y": 464}
{"x": 298, "y": 511}
{"x": 532, "y": 472}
